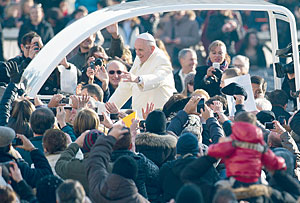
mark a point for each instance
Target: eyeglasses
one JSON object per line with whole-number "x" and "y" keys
{"x": 111, "y": 72}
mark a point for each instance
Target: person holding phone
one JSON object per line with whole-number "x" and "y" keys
{"x": 209, "y": 77}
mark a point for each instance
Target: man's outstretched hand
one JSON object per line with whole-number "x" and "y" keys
{"x": 14, "y": 72}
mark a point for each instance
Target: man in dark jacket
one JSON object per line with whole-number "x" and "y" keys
{"x": 147, "y": 180}
{"x": 37, "y": 24}
{"x": 279, "y": 101}
{"x": 117, "y": 186}
{"x": 169, "y": 175}
{"x": 188, "y": 62}
{"x": 8, "y": 153}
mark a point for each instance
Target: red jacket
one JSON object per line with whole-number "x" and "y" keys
{"x": 245, "y": 163}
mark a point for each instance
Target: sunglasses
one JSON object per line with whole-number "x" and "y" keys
{"x": 111, "y": 72}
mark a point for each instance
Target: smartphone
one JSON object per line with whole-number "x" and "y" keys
{"x": 101, "y": 117}
{"x": 114, "y": 116}
{"x": 269, "y": 125}
{"x": 142, "y": 124}
{"x": 68, "y": 107}
{"x": 281, "y": 120}
{"x": 216, "y": 65}
{"x": 200, "y": 105}
{"x": 17, "y": 142}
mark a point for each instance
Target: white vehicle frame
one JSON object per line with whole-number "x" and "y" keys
{"x": 44, "y": 63}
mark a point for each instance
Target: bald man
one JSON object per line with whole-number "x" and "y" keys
{"x": 149, "y": 80}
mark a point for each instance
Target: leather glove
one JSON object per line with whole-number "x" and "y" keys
{"x": 14, "y": 72}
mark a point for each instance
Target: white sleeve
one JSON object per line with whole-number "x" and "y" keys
{"x": 122, "y": 94}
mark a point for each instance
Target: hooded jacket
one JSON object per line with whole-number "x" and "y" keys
{"x": 169, "y": 176}
{"x": 245, "y": 155}
{"x": 157, "y": 148}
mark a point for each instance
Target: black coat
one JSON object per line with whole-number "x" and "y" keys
{"x": 279, "y": 111}
{"x": 44, "y": 29}
{"x": 157, "y": 148}
{"x": 212, "y": 87}
{"x": 295, "y": 123}
{"x": 148, "y": 172}
{"x": 32, "y": 175}
{"x": 169, "y": 176}
{"x": 178, "y": 84}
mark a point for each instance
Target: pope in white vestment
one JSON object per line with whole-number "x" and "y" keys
{"x": 149, "y": 80}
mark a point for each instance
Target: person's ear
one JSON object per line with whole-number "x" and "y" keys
{"x": 22, "y": 48}
{"x": 152, "y": 48}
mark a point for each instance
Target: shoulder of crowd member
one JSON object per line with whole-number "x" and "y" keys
{"x": 155, "y": 140}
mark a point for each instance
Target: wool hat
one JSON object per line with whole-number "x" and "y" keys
{"x": 6, "y": 136}
{"x": 90, "y": 139}
{"x": 156, "y": 122}
{"x": 189, "y": 193}
{"x": 146, "y": 36}
{"x": 265, "y": 116}
{"x": 234, "y": 89}
{"x": 126, "y": 167}
{"x": 187, "y": 143}
{"x": 290, "y": 159}
{"x": 46, "y": 188}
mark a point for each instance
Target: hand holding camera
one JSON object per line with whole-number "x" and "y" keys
{"x": 27, "y": 145}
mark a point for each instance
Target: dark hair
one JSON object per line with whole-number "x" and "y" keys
{"x": 246, "y": 117}
{"x": 224, "y": 195}
{"x": 218, "y": 98}
{"x": 259, "y": 81}
{"x": 70, "y": 191}
{"x": 26, "y": 39}
{"x": 278, "y": 98}
{"x": 54, "y": 140}
{"x": 126, "y": 167}
{"x": 245, "y": 42}
{"x": 41, "y": 120}
{"x": 94, "y": 90}
{"x": 124, "y": 142}
{"x": 20, "y": 116}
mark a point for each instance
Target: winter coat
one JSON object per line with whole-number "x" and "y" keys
{"x": 247, "y": 150}
{"x": 31, "y": 175}
{"x": 148, "y": 172}
{"x": 169, "y": 176}
{"x": 158, "y": 83}
{"x": 104, "y": 186}
{"x": 157, "y": 148}
{"x": 69, "y": 167}
{"x": 43, "y": 29}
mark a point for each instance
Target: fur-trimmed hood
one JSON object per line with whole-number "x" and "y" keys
{"x": 155, "y": 140}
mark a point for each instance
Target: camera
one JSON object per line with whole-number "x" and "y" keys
{"x": 97, "y": 62}
{"x": 282, "y": 69}
{"x": 37, "y": 48}
{"x": 65, "y": 100}
{"x": 142, "y": 124}
{"x": 269, "y": 125}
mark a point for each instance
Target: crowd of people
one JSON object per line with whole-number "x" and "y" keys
{"x": 183, "y": 145}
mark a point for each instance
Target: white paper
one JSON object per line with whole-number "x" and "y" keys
{"x": 245, "y": 82}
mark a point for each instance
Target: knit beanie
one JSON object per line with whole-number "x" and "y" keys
{"x": 46, "y": 188}
{"x": 90, "y": 140}
{"x": 290, "y": 159}
{"x": 156, "y": 122}
{"x": 189, "y": 193}
{"x": 126, "y": 167}
{"x": 187, "y": 143}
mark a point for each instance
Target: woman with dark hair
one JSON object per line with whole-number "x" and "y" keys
{"x": 253, "y": 50}
{"x": 19, "y": 120}
{"x": 208, "y": 77}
